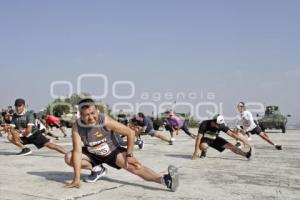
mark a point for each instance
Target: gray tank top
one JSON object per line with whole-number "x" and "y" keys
{"x": 97, "y": 139}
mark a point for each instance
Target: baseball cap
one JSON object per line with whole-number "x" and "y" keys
{"x": 19, "y": 102}
{"x": 219, "y": 119}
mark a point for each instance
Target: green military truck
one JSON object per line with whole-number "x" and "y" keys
{"x": 273, "y": 119}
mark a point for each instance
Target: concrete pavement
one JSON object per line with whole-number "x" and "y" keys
{"x": 271, "y": 174}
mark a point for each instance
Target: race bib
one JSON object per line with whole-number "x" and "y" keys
{"x": 100, "y": 149}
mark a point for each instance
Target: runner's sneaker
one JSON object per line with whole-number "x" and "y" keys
{"x": 238, "y": 145}
{"x": 203, "y": 154}
{"x": 278, "y": 147}
{"x": 140, "y": 144}
{"x": 171, "y": 142}
{"x": 172, "y": 178}
{"x": 249, "y": 154}
{"x": 96, "y": 175}
{"x": 25, "y": 151}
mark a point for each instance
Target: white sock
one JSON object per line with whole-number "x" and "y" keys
{"x": 97, "y": 168}
{"x": 162, "y": 180}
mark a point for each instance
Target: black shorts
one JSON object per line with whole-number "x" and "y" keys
{"x": 109, "y": 160}
{"x": 54, "y": 125}
{"x": 256, "y": 131}
{"x": 37, "y": 139}
{"x": 217, "y": 144}
{"x": 169, "y": 128}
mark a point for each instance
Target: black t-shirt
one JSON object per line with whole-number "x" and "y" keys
{"x": 122, "y": 118}
{"x": 134, "y": 121}
{"x": 205, "y": 128}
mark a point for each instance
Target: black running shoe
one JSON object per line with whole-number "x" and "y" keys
{"x": 249, "y": 154}
{"x": 278, "y": 147}
{"x": 25, "y": 151}
{"x": 172, "y": 179}
{"x": 203, "y": 154}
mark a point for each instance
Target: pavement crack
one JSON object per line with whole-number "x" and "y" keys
{"x": 29, "y": 195}
{"x": 94, "y": 193}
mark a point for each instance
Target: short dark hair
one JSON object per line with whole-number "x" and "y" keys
{"x": 19, "y": 102}
{"x": 4, "y": 113}
{"x": 86, "y": 103}
{"x": 141, "y": 115}
{"x": 242, "y": 104}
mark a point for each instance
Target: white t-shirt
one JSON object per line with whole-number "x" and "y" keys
{"x": 39, "y": 124}
{"x": 247, "y": 121}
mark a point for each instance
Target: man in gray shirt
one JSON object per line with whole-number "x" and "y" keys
{"x": 96, "y": 131}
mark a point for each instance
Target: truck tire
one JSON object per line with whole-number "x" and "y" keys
{"x": 283, "y": 128}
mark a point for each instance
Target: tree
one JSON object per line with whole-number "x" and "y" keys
{"x": 193, "y": 123}
{"x": 68, "y": 105}
{"x": 59, "y": 107}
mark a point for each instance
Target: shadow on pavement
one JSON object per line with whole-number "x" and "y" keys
{"x": 8, "y": 153}
{"x": 134, "y": 184}
{"x": 56, "y": 176}
{"x": 224, "y": 158}
{"x": 63, "y": 177}
{"x": 188, "y": 157}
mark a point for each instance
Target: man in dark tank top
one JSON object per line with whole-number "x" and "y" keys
{"x": 96, "y": 131}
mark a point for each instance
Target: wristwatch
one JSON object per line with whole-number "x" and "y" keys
{"x": 129, "y": 155}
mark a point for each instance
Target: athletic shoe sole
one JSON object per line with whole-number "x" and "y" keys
{"x": 173, "y": 172}
{"x": 25, "y": 154}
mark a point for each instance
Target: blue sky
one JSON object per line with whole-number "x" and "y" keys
{"x": 240, "y": 50}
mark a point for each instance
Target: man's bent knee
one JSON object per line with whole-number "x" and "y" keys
{"x": 68, "y": 158}
{"x": 204, "y": 146}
